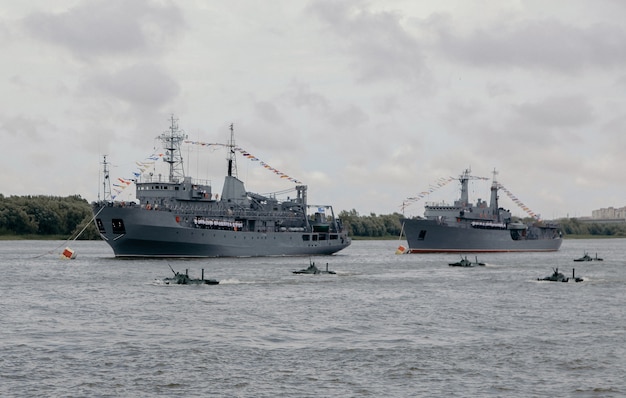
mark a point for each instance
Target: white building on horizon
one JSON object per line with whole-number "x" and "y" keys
{"x": 609, "y": 213}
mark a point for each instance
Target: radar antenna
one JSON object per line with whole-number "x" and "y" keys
{"x": 463, "y": 179}
{"x": 171, "y": 143}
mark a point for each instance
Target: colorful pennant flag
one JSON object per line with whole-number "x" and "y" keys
{"x": 141, "y": 167}
{"x": 519, "y": 203}
{"x": 440, "y": 183}
{"x": 249, "y": 156}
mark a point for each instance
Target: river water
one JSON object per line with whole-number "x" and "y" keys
{"x": 385, "y": 325}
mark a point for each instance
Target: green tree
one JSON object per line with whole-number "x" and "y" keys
{"x": 46, "y": 215}
{"x": 14, "y": 220}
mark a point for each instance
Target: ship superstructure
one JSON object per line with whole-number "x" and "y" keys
{"x": 480, "y": 227}
{"x": 179, "y": 216}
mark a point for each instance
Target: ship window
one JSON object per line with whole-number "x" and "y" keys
{"x": 118, "y": 226}
{"x": 315, "y": 236}
{"x": 100, "y": 226}
{"x": 306, "y": 237}
{"x": 422, "y": 235}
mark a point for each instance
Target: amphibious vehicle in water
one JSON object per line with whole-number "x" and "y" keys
{"x": 464, "y": 262}
{"x": 313, "y": 270}
{"x": 182, "y": 217}
{"x": 185, "y": 279}
{"x": 559, "y": 277}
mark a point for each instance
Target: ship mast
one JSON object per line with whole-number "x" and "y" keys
{"x": 172, "y": 140}
{"x": 494, "y": 194}
{"x": 232, "y": 159}
{"x": 464, "y": 178}
{"x": 106, "y": 183}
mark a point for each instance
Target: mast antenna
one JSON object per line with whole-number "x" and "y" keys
{"x": 232, "y": 159}
{"x": 172, "y": 140}
{"x": 106, "y": 183}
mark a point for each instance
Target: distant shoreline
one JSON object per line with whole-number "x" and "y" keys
{"x": 39, "y": 237}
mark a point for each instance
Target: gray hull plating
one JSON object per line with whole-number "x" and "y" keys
{"x": 429, "y": 236}
{"x": 157, "y": 234}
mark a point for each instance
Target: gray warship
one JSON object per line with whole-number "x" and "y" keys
{"x": 180, "y": 217}
{"x": 481, "y": 227}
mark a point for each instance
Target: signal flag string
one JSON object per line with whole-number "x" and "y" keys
{"x": 519, "y": 203}
{"x": 122, "y": 183}
{"x": 440, "y": 183}
{"x": 248, "y": 155}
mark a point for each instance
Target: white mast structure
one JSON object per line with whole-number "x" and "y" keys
{"x": 106, "y": 183}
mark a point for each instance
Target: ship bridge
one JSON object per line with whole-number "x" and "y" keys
{"x": 150, "y": 190}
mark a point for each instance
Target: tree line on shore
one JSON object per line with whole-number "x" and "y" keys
{"x": 46, "y": 216}
{"x": 68, "y": 217}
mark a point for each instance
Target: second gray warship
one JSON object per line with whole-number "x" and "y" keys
{"x": 181, "y": 217}
{"x": 483, "y": 227}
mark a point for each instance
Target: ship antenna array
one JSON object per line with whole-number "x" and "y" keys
{"x": 106, "y": 183}
{"x": 171, "y": 142}
{"x": 232, "y": 159}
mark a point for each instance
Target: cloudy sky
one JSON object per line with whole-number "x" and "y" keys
{"x": 366, "y": 102}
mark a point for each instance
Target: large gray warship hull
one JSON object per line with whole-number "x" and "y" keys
{"x": 182, "y": 217}
{"x": 480, "y": 227}
{"x": 429, "y": 236}
{"x": 155, "y": 233}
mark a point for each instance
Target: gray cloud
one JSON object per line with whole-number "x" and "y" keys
{"x": 380, "y": 46}
{"x": 376, "y": 97}
{"x": 268, "y": 112}
{"x": 554, "y": 123}
{"x": 31, "y": 128}
{"x": 539, "y": 43}
{"x": 567, "y": 111}
{"x": 143, "y": 85}
{"x": 108, "y": 27}
{"x": 347, "y": 116}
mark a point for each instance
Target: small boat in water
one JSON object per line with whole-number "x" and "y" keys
{"x": 586, "y": 257}
{"x": 313, "y": 270}
{"x": 464, "y": 262}
{"x": 559, "y": 277}
{"x": 185, "y": 279}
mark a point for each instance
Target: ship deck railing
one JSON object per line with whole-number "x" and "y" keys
{"x": 228, "y": 213}
{"x": 110, "y": 203}
{"x": 176, "y": 180}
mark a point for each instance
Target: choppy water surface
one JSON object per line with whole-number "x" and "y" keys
{"x": 385, "y": 325}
